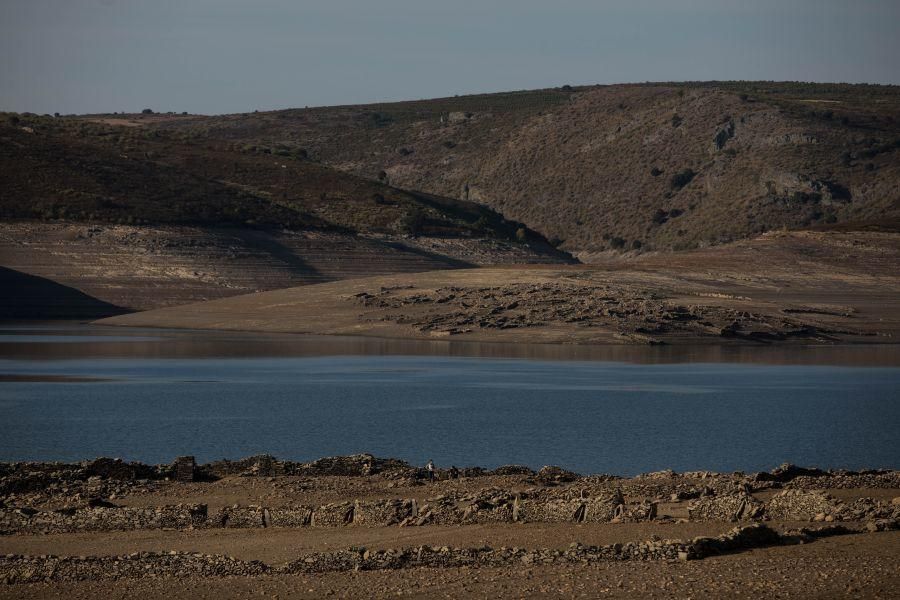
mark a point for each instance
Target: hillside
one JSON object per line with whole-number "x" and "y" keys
{"x": 779, "y": 288}
{"x": 624, "y": 167}
{"x": 80, "y": 170}
{"x": 137, "y": 219}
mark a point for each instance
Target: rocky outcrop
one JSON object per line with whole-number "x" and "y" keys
{"x": 725, "y": 133}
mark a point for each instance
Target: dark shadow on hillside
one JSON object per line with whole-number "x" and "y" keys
{"x": 262, "y": 240}
{"x": 24, "y": 296}
{"x": 442, "y": 259}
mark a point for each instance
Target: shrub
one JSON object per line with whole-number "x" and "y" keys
{"x": 846, "y": 158}
{"x": 521, "y": 235}
{"x": 660, "y": 216}
{"x": 636, "y": 245}
{"x": 617, "y": 242}
{"x": 682, "y": 178}
{"x": 147, "y": 111}
{"x": 676, "y": 120}
{"x": 656, "y": 171}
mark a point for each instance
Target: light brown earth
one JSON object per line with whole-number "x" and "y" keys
{"x": 807, "y": 287}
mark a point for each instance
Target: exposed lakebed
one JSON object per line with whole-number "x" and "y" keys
{"x": 69, "y": 393}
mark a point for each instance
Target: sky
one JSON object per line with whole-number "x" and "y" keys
{"x": 223, "y": 56}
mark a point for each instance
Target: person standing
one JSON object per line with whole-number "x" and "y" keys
{"x": 430, "y": 469}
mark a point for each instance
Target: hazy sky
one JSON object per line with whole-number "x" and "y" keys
{"x": 214, "y": 56}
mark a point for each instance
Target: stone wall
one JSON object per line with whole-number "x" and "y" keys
{"x": 27, "y": 569}
{"x": 728, "y": 507}
{"x": 180, "y": 516}
{"x": 488, "y": 506}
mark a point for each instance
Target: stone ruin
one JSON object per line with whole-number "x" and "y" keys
{"x": 264, "y": 465}
{"x": 18, "y": 569}
{"x": 800, "y": 505}
{"x": 184, "y": 469}
{"x": 739, "y": 506}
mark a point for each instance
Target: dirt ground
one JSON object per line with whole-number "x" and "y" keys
{"x": 780, "y": 288}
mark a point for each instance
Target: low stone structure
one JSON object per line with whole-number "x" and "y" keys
{"x": 184, "y": 469}
{"x": 799, "y": 505}
{"x": 28, "y": 569}
{"x": 180, "y": 516}
{"x": 739, "y": 506}
{"x": 383, "y": 513}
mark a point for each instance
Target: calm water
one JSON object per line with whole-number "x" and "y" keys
{"x": 159, "y": 394}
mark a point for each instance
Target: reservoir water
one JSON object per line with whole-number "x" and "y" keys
{"x": 77, "y": 392}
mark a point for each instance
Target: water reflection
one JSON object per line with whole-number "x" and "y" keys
{"x": 58, "y": 342}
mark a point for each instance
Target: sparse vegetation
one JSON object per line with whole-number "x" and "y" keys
{"x": 521, "y": 235}
{"x": 560, "y": 174}
{"x": 617, "y": 243}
